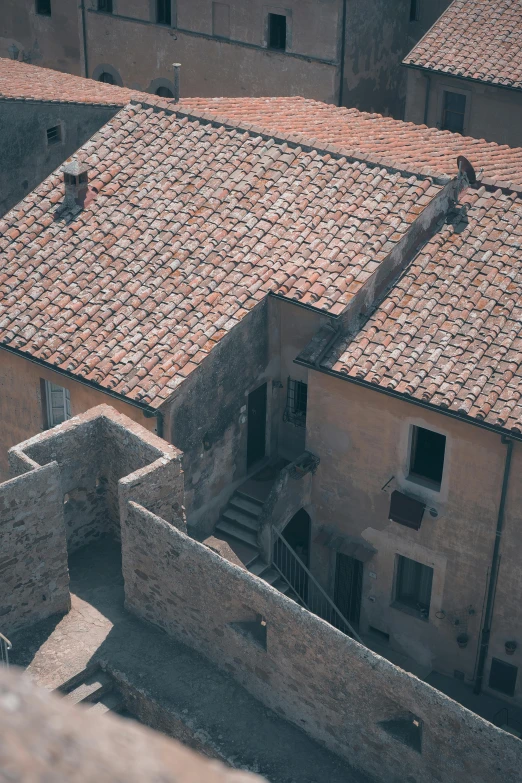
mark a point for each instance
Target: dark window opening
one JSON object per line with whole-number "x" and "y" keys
{"x": 296, "y": 402}
{"x": 413, "y": 588}
{"x": 503, "y": 677}
{"x": 107, "y": 78}
{"x": 277, "y": 31}
{"x": 54, "y": 135}
{"x": 427, "y": 455}
{"x": 106, "y": 7}
{"x": 405, "y": 510}
{"x": 163, "y": 12}
{"x": 164, "y": 92}
{"x": 414, "y": 10}
{"x": 43, "y": 7}
{"x": 254, "y": 630}
{"x": 453, "y": 112}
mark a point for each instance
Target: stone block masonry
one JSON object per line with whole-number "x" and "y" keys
{"x": 71, "y": 485}
{"x": 34, "y": 578}
{"x": 387, "y": 723}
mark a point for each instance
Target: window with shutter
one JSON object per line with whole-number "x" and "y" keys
{"x": 413, "y": 586}
{"x": 57, "y": 404}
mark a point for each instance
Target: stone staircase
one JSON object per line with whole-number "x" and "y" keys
{"x": 238, "y": 527}
{"x": 95, "y": 689}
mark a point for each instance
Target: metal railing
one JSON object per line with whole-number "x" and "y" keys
{"x": 502, "y": 719}
{"x": 5, "y": 646}
{"x": 305, "y": 588}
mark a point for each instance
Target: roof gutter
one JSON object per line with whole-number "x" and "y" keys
{"x": 443, "y": 74}
{"x": 148, "y": 411}
{"x": 493, "y": 575}
{"x": 426, "y": 405}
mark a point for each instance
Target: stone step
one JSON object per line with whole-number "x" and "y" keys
{"x": 246, "y": 505}
{"x": 111, "y": 702}
{"x": 93, "y": 688}
{"x": 238, "y": 517}
{"x": 246, "y": 495}
{"x": 282, "y": 586}
{"x": 236, "y": 531}
{"x": 271, "y": 576}
{"x": 258, "y": 568}
{"x": 244, "y": 552}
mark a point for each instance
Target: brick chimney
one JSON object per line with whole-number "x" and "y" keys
{"x": 176, "y": 67}
{"x": 76, "y": 182}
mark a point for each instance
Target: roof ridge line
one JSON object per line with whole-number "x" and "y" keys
{"x": 304, "y": 142}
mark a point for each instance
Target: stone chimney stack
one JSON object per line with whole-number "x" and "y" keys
{"x": 176, "y": 67}
{"x": 76, "y": 182}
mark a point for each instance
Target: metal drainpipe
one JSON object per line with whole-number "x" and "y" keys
{"x": 84, "y": 35}
{"x": 343, "y": 52}
{"x": 427, "y": 102}
{"x": 159, "y": 421}
{"x": 488, "y": 614}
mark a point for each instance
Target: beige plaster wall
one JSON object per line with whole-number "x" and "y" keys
{"x": 21, "y": 404}
{"x": 50, "y": 41}
{"x": 362, "y": 438}
{"x": 492, "y": 113}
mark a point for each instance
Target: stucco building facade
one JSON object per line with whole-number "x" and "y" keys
{"x": 345, "y": 52}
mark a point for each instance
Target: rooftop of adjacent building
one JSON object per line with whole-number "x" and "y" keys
{"x": 475, "y": 39}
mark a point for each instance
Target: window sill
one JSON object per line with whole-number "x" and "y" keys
{"x": 410, "y": 610}
{"x": 424, "y": 482}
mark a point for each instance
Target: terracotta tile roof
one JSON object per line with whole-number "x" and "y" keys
{"x": 476, "y": 39}
{"x": 195, "y": 223}
{"x": 402, "y": 144}
{"x": 30, "y": 82}
{"x": 450, "y": 331}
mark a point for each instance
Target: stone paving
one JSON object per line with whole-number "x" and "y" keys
{"x": 226, "y": 721}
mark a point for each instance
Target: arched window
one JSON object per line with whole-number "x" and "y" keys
{"x": 107, "y": 78}
{"x": 164, "y": 92}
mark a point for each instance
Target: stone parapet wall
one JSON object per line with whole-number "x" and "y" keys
{"x": 385, "y": 721}
{"x": 44, "y": 738}
{"x": 34, "y": 578}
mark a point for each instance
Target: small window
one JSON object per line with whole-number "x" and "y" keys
{"x": 296, "y": 402}
{"x": 453, "y": 112}
{"x": 221, "y": 20}
{"x": 427, "y": 456}
{"x": 57, "y": 404}
{"x": 54, "y": 135}
{"x": 43, "y": 7}
{"x": 414, "y": 10}
{"x": 277, "y": 31}
{"x": 106, "y": 7}
{"x": 163, "y": 12}
{"x": 413, "y": 586}
{"x": 503, "y": 677}
{"x": 107, "y": 78}
{"x": 164, "y": 92}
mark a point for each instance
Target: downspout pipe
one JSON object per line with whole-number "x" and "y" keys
{"x": 149, "y": 414}
{"x": 343, "y": 54}
{"x": 490, "y": 601}
{"x": 84, "y": 37}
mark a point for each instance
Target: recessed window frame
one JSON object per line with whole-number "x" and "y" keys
{"x": 163, "y": 12}
{"x": 105, "y": 6}
{"x": 296, "y": 402}
{"x": 499, "y": 664}
{"x": 414, "y": 10}
{"x": 414, "y": 474}
{"x": 54, "y": 135}
{"x": 445, "y": 111}
{"x": 44, "y": 7}
{"x": 272, "y": 34}
{"x": 421, "y": 576}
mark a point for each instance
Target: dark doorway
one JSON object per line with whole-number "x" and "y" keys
{"x": 256, "y": 425}
{"x": 348, "y": 588}
{"x": 297, "y": 536}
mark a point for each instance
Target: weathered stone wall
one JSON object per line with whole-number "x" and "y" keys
{"x": 34, "y": 579}
{"x": 207, "y": 418}
{"x": 27, "y": 158}
{"x": 386, "y": 722}
{"x": 44, "y": 738}
{"x": 94, "y": 451}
